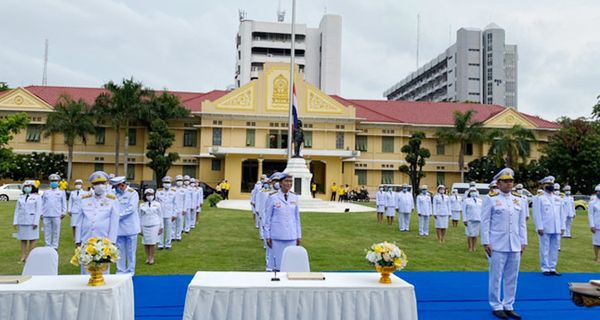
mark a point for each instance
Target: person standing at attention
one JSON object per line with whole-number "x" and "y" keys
{"x": 390, "y": 205}
{"x": 569, "y": 207}
{"x": 54, "y": 209}
{"x": 455, "y": 207}
{"x": 27, "y": 218}
{"x": 441, "y": 211}
{"x": 75, "y": 203}
{"x": 405, "y": 206}
{"x": 549, "y": 219}
{"x": 472, "y": 217}
{"x": 380, "y": 204}
{"x": 129, "y": 224}
{"x": 424, "y": 210}
{"x": 334, "y": 189}
{"x": 151, "y": 222}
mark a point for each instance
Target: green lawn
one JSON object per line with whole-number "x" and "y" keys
{"x": 227, "y": 240}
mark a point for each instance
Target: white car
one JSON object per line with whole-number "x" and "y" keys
{"x": 10, "y": 191}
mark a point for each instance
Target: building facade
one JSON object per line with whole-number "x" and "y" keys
{"x": 317, "y": 50}
{"x": 238, "y": 135}
{"x": 480, "y": 67}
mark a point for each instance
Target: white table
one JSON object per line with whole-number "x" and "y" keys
{"x": 252, "y": 295}
{"x": 68, "y": 297}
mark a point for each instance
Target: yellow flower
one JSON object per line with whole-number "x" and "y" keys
{"x": 105, "y": 241}
{"x": 92, "y": 240}
{"x": 75, "y": 260}
{"x": 91, "y": 249}
{"x": 378, "y": 248}
{"x": 105, "y": 252}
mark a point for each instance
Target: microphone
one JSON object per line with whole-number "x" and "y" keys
{"x": 275, "y": 278}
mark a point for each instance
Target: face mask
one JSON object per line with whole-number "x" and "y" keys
{"x": 77, "y": 187}
{"x": 380, "y": 189}
{"x": 53, "y": 184}
{"x": 149, "y": 198}
{"x": 99, "y": 189}
{"x": 187, "y": 183}
{"x": 441, "y": 191}
{"x": 179, "y": 183}
{"x": 473, "y": 194}
{"x": 567, "y": 192}
{"x": 404, "y": 190}
{"x": 166, "y": 185}
{"x": 265, "y": 186}
{"x": 27, "y": 190}
{"x": 118, "y": 190}
{"x": 276, "y": 186}
{"x": 193, "y": 184}
{"x": 424, "y": 192}
{"x": 549, "y": 188}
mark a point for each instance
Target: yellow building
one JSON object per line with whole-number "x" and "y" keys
{"x": 237, "y": 135}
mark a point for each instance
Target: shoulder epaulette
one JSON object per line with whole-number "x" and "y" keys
{"x": 173, "y": 189}
{"x": 130, "y": 190}
{"x": 86, "y": 196}
{"x": 159, "y": 189}
{"x": 110, "y": 196}
{"x": 562, "y": 195}
{"x": 493, "y": 194}
{"x": 516, "y": 194}
{"x": 272, "y": 192}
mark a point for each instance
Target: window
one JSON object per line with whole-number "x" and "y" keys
{"x": 362, "y": 176}
{"x": 361, "y": 143}
{"x": 387, "y": 144}
{"x": 339, "y": 140}
{"x": 469, "y": 149}
{"x": 190, "y": 138}
{"x": 98, "y": 166}
{"x": 473, "y": 50}
{"x": 34, "y": 133}
{"x": 474, "y": 79}
{"x": 132, "y": 136}
{"x": 277, "y": 139}
{"x": 441, "y": 178}
{"x": 100, "y": 136}
{"x": 387, "y": 177}
{"x": 474, "y": 64}
{"x": 130, "y": 171}
{"x": 189, "y": 170}
{"x": 440, "y": 149}
{"x": 308, "y": 139}
{"x": 250, "y": 134}
{"x": 216, "y": 165}
{"x": 216, "y": 139}
{"x": 473, "y": 93}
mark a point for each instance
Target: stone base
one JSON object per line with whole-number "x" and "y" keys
{"x": 296, "y": 167}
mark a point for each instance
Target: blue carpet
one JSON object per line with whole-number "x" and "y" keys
{"x": 440, "y": 295}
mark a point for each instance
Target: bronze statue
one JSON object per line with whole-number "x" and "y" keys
{"x": 298, "y": 135}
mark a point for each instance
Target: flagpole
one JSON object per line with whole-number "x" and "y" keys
{"x": 291, "y": 89}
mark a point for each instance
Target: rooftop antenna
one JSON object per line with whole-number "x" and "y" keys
{"x": 242, "y": 14}
{"x": 418, "y": 34}
{"x": 280, "y": 13}
{"x": 45, "y": 74}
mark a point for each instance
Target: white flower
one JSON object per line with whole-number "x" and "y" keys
{"x": 386, "y": 257}
{"x": 372, "y": 257}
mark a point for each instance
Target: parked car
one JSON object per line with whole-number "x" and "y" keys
{"x": 581, "y": 201}
{"x": 10, "y": 191}
{"x": 462, "y": 187}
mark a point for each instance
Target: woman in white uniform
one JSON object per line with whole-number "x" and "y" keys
{"x": 441, "y": 212}
{"x": 472, "y": 217}
{"x": 390, "y": 206}
{"x": 455, "y": 206}
{"x": 152, "y": 224}
{"x": 27, "y": 218}
{"x": 594, "y": 218}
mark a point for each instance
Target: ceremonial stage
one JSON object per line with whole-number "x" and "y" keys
{"x": 440, "y": 295}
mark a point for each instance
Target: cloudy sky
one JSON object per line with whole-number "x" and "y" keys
{"x": 189, "y": 45}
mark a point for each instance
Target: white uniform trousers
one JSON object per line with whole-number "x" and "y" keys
{"x": 179, "y": 226}
{"x": 503, "y": 266}
{"x": 568, "y": 224}
{"x": 256, "y": 220}
{"x": 404, "y": 221}
{"x": 268, "y": 259}
{"x": 549, "y": 245}
{"x": 193, "y": 218}
{"x": 52, "y": 231}
{"x": 188, "y": 220}
{"x": 277, "y": 251}
{"x": 127, "y": 246}
{"x": 164, "y": 239}
{"x": 423, "y": 225}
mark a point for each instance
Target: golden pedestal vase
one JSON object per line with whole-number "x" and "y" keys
{"x": 385, "y": 273}
{"x": 96, "y": 271}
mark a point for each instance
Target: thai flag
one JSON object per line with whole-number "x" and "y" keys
{"x": 294, "y": 109}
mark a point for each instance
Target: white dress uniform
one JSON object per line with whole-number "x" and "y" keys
{"x": 390, "y": 204}
{"x": 180, "y": 202}
{"x": 282, "y": 224}
{"x": 504, "y": 229}
{"x": 405, "y": 205}
{"x": 197, "y": 205}
{"x": 189, "y": 201}
{"x": 97, "y": 217}
{"x": 253, "y": 195}
{"x": 424, "y": 209}
{"x": 472, "y": 215}
{"x": 75, "y": 204}
{"x": 569, "y": 208}
{"x": 27, "y": 215}
{"x": 129, "y": 228}
{"x": 594, "y": 220}
{"x": 548, "y": 215}
{"x": 380, "y": 201}
{"x": 261, "y": 201}
{"x": 441, "y": 210}
{"x": 54, "y": 206}
{"x": 151, "y": 221}
{"x": 166, "y": 197}
{"x": 455, "y": 206}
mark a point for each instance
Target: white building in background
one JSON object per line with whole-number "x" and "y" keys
{"x": 480, "y": 67}
{"x": 318, "y": 50}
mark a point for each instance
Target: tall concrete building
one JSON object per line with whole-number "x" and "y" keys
{"x": 317, "y": 50}
{"x": 480, "y": 67}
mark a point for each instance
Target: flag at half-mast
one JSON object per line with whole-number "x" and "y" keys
{"x": 294, "y": 107}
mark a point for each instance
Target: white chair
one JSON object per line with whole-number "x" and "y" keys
{"x": 42, "y": 261}
{"x": 295, "y": 259}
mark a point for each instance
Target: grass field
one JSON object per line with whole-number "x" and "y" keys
{"x": 227, "y": 240}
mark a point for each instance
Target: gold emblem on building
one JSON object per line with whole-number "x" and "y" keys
{"x": 280, "y": 98}
{"x": 18, "y": 100}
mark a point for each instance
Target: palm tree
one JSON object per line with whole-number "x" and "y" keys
{"x": 511, "y": 145}
{"x": 466, "y": 130}
{"x": 121, "y": 104}
{"x": 74, "y": 120}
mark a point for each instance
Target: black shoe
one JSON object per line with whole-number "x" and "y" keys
{"x": 547, "y": 273}
{"x": 500, "y": 314}
{"x": 512, "y": 314}
{"x": 160, "y": 248}
{"x": 554, "y": 273}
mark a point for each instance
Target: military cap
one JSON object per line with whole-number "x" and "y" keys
{"x": 505, "y": 174}
{"x": 98, "y": 176}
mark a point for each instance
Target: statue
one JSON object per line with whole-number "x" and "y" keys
{"x": 298, "y": 135}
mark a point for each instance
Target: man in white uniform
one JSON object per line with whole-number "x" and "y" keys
{"x": 166, "y": 197}
{"x": 198, "y": 200}
{"x": 54, "y": 209}
{"x": 569, "y": 207}
{"x": 504, "y": 237}
{"x": 405, "y": 205}
{"x": 181, "y": 208}
{"x": 549, "y": 219}
{"x": 189, "y": 204}
{"x": 75, "y": 202}
{"x": 129, "y": 224}
{"x": 424, "y": 210}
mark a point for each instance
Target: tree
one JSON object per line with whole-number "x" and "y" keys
{"x": 38, "y": 166}
{"x": 596, "y": 110}
{"x": 74, "y": 120}
{"x": 9, "y": 127}
{"x": 482, "y": 170}
{"x": 466, "y": 130}
{"x": 530, "y": 174}
{"x": 4, "y": 86}
{"x": 121, "y": 104}
{"x": 415, "y": 157}
{"x": 510, "y": 145}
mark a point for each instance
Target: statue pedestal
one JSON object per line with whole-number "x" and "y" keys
{"x": 301, "y": 176}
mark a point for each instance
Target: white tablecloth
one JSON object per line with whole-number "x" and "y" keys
{"x": 67, "y": 297}
{"x": 252, "y": 295}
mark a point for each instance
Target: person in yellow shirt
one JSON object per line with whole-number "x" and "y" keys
{"x": 334, "y": 189}
{"x": 226, "y": 186}
{"x": 63, "y": 184}
{"x": 341, "y": 193}
{"x": 313, "y": 188}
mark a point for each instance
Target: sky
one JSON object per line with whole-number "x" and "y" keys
{"x": 189, "y": 45}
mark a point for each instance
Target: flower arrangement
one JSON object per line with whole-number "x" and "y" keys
{"x": 95, "y": 251}
{"x": 385, "y": 254}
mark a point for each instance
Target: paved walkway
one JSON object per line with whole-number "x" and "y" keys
{"x": 324, "y": 206}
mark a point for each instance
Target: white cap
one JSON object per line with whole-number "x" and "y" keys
{"x": 54, "y": 177}
{"x": 454, "y": 191}
{"x": 597, "y": 188}
{"x": 178, "y": 177}
{"x": 149, "y": 190}
{"x": 186, "y": 178}
{"x": 28, "y": 183}
{"x": 556, "y": 187}
{"x": 494, "y": 183}
{"x": 441, "y": 186}
{"x": 117, "y": 180}
{"x": 547, "y": 180}
{"x": 193, "y": 180}
{"x": 505, "y": 174}
{"x": 98, "y": 176}
{"x": 78, "y": 181}
{"x": 424, "y": 187}
{"x": 166, "y": 179}
{"x": 567, "y": 188}
{"x": 519, "y": 186}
